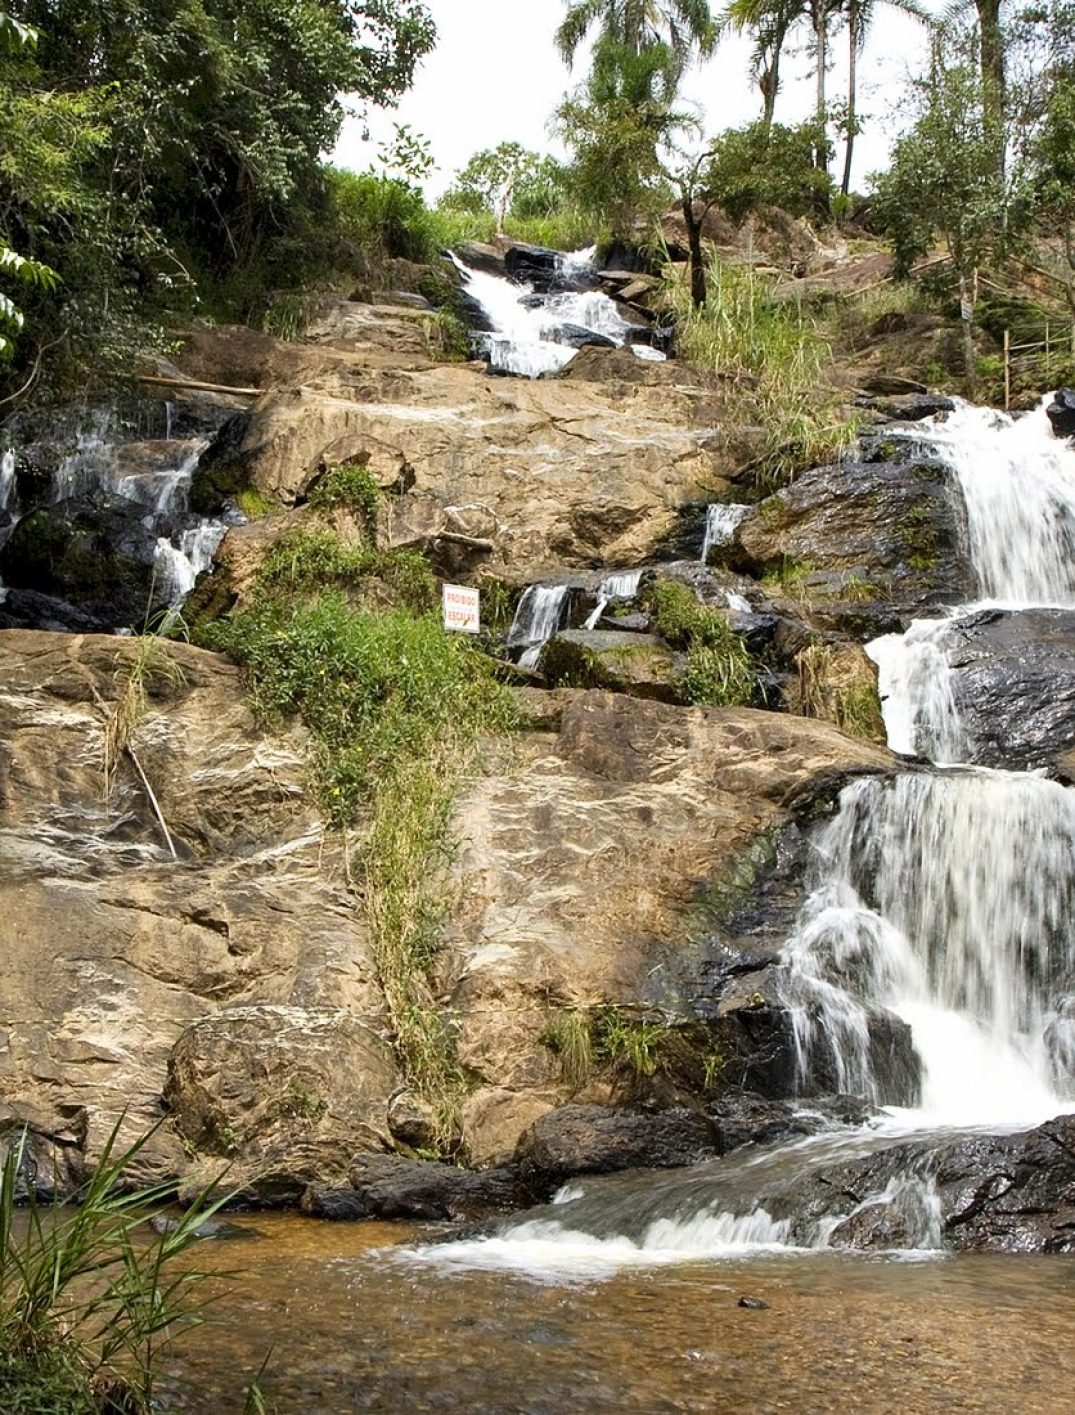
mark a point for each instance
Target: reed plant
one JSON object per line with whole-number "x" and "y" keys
{"x": 89, "y": 1295}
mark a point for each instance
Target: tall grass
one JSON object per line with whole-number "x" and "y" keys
{"x": 567, "y": 230}
{"x": 87, "y": 1299}
{"x": 775, "y": 361}
{"x": 396, "y": 706}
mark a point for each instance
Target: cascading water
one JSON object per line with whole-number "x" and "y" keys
{"x": 530, "y": 332}
{"x": 7, "y": 477}
{"x": 623, "y": 585}
{"x": 721, "y": 520}
{"x": 942, "y": 903}
{"x": 538, "y": 615}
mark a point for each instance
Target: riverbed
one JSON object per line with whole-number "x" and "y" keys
{"x": 348, "y": 1321}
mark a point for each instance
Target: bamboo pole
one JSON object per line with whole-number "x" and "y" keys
{"x": 195, "y": 384}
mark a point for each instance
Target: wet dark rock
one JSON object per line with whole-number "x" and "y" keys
{"x": 640, "y": 664}
{"x": 1014, "y": 684}
{"x": 577, "y": 336}
{"x": 221, "y": 471}
{"x": 29, "y": 609}
{"x": 592, "y": 1139}
{"x": 754, "y": 1304}
{"x": 1061, "y": 412}
{"x": 880, "y": 532}
{"x": 215, "y": 1228}
{"x": 479, "y": 256}
{"x": 532, "y": 265}
{"x": 913, "y": 407}
{"x": 391, "y": 1187}
{"x": 993, "y": 1193}
{"x": 95, "y": 552}
{"x": 50, "y": 1163}
{"x": 745, "y": 1118}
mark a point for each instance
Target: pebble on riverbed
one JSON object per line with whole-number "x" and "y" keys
{"x": 756, "y": 1304}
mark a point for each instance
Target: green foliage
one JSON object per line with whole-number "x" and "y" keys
{"x": 153, "y": 153}
{"x": 395, "y": 706}
{"x": 448, "y": 337}
{"x": 769, "y": 165}
{"x": 944, "y": 180}
{"x": 719, "y": 670}
{"x": 386, "y": 217}
{"x": 776, "y": 363}
{"x": 87, "y": 1300}
{"x": 351, "y": 484}
{"x": 532, "y": 185}
{"x": 310, "y": 559}
{"x": 255, "y": 505}
{"x": 628, "y": 1042}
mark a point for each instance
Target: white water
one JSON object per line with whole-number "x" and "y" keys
{"x": 538, "y": 615}
{"x": 177, "y": 566}
{"x": 7, "y": 478}
{"x": 623, "y": 585}
{"x": 526, "y": 339}
{"x": 721, "y": 520}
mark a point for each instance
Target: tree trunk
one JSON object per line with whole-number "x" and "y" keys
{"x": 994, "y": 78}
{"x": 852, "y": 94}
{"x": 694, "y": 246}
{"x": 820, "y": 18}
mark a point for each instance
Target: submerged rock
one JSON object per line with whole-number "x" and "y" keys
{"x": 391, "y": 1187}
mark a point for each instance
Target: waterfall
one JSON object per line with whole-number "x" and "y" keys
{"x": 538, "y": 615}
{"x": 1017, "y": 481}
{"x": 528, "y": 330}
{"x": 721, "y": 519}
{"x": 7, "y": 477}
{"x": 177, "y": 566}
{"x": 948, "y": 899}
{"x": 914, "y": 681}
{"x": 623, "y": 585}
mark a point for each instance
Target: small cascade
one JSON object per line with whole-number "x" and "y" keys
{"x": 949, "y": 900}
{"x": 538, "y": 615}
{"x": 1017, "y": 481}
{"x": 721, "y": 519}
{"x": 179, "y": 562}
{"x": 914, "y": 681}
{"x": 533, "y": 334}
{"x": 623, "y": 585}
{"x": 7, "y": 478}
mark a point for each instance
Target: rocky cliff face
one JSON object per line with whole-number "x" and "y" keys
{"x": 184, "y": 935}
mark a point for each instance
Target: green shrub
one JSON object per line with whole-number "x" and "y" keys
{"x": 385, "y": 217}
{"x": 447, "y": 336}
{"x": 772, "y": 165}
{"x": 305, "y": 559}
{"x": 395, "y": 706}
{"x": 351, "y": 484}
{"x": 254, "y": 505}
{"x": 719, "y": 670}
{"x": 407, "y": 574}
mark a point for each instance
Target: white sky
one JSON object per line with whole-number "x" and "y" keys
{"x": 495, "y": 76}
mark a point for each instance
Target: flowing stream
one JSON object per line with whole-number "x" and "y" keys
{"x": 941, "y": 908}
{"x": 533, "y": 334}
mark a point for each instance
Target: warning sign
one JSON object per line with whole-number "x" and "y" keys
{"x": 461, "y": 609}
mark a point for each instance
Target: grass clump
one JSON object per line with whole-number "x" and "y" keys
{"x": 311, "y": 559}
{"x": 447, "y": 337}
{"x": 255, "y": 505}
{"x": 350, "y": 484}
{"x": 569, "y": 1036}
{"x": 395, "y": 706}
{"x": 776, "y": 363}
{"x": 87, "y": 1299}
{"x": 719, "y": 672}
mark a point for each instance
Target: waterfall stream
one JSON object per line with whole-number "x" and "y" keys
{"x": 941, "y": 899}
{"x": 536, "y": 334}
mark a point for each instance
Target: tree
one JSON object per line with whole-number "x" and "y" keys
{"x": 770, "y": 22}
{"x": 616, "y": 126}
{"x": 860, "y": 16}
{"x": 1051, "y": 149}
{"x": 943, "y": 183}
{"x": 154, "y": 147}
{"x": 526, "y": 183}
{"x": 636, "y": 25}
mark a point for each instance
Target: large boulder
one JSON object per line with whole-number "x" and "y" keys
{"x": 1061, "y": 412}
{"x": 585, "y": 869}
{"x": 566, "y": 475}
{"x": 111, "y": 947}
{"x": 881, "y": 532}
{"x": 589, "y": 1139}
{"x": 283, "y": 1096}
{"x": 641, "y": 664}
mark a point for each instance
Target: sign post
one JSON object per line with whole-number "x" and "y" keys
{"x": 461, "y": 609}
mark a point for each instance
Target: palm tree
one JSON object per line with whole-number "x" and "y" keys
{"x": 860, "y": 17}
{"x": 682, "y": 25}
{"x": 770, "y": 22}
